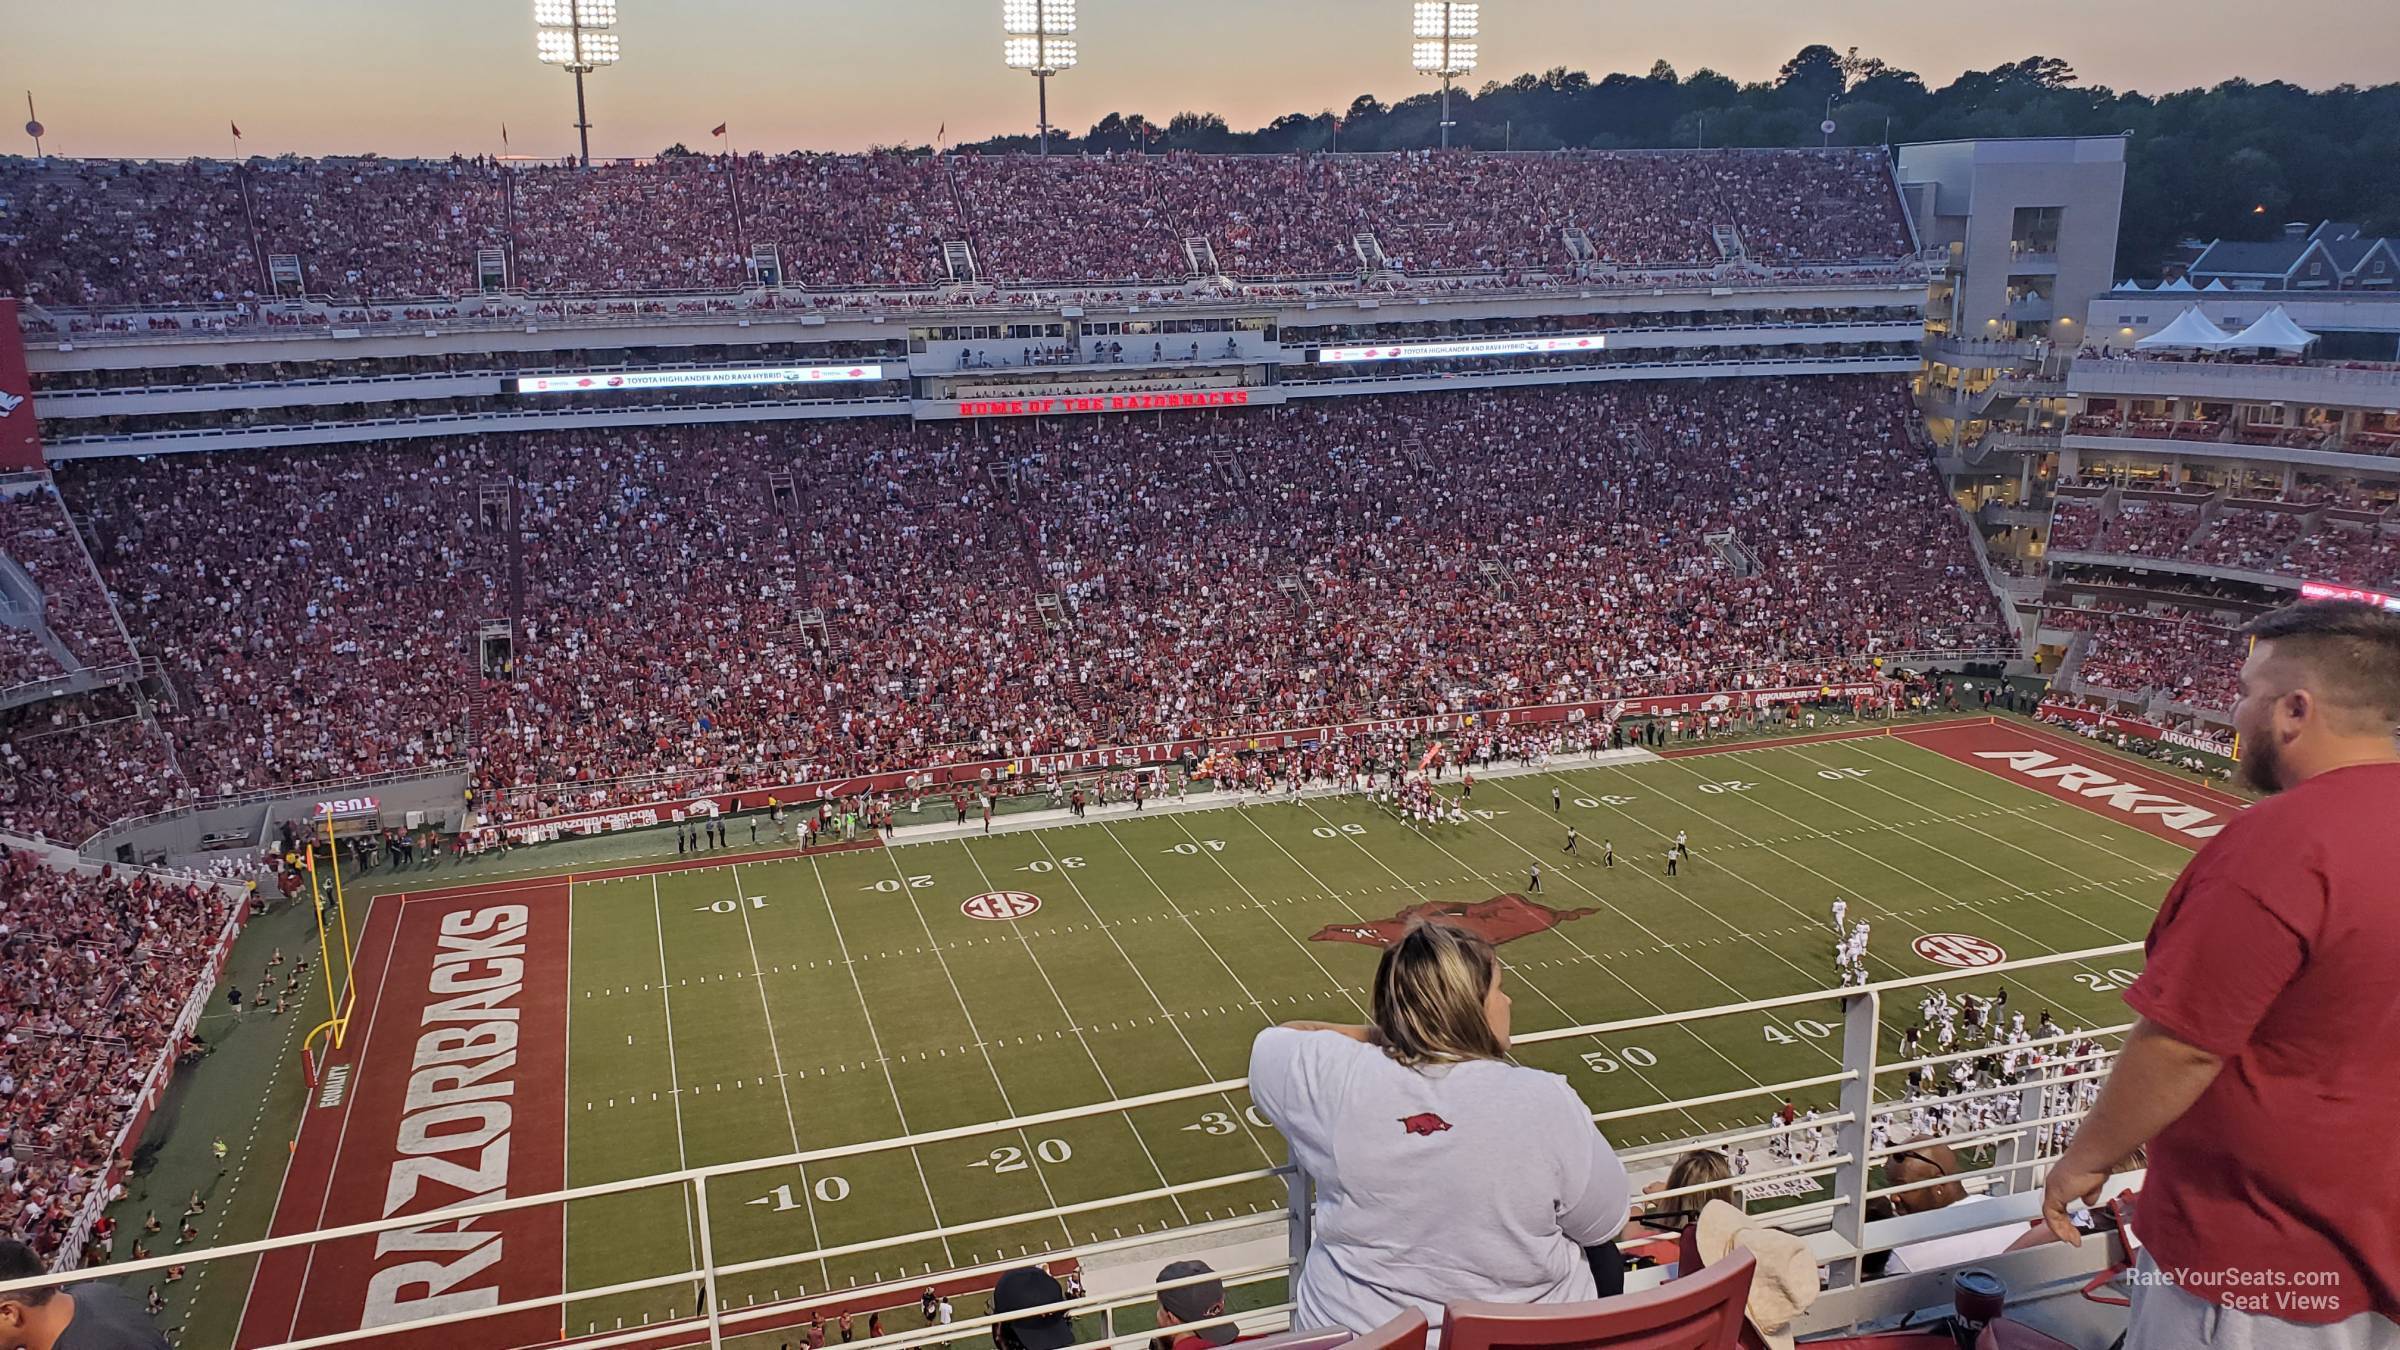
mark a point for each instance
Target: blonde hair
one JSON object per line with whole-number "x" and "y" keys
{"x": 1430, "y": 989}
{"x": 1702, "y": 1167}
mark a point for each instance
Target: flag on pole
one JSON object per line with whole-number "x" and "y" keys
{"x": 720, "y": 129}
{"x": 504, "y": 133}
{"x": 237, "y": 128}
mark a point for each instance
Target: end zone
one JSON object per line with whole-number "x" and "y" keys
{"x": 454, "y": 1093}
{"x": 2069, "y": 770}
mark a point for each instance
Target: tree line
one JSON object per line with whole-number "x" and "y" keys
{"x": 2233, "y": 161}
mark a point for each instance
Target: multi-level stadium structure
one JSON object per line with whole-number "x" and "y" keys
{"x": 551, "y": 501}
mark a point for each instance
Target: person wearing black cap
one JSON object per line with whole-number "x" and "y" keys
{"x": 1197, "y": 1301}
{"x": 1024, "y": 1290}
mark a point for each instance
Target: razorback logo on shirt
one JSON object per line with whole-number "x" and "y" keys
{"x": 1503, "y": 918}
{"x": 1424, "y": 1122}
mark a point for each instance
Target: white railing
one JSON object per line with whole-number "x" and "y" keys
{"x": 2011, "y": 1155}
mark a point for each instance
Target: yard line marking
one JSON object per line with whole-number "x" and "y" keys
{"x": 1262, "y": 907}
{"x": 876, "y": 1040}
{"x": 1032, "y": 1154}
{"x": 2030, "y": 815}
{"x": 1539, "y": 992}
{"x": 1606, "y": 903}
{"x": 1915, "y": 881}
{"x": 674, "y": 1078}
{"x": 2018, "y": 889}
{"x": 1161, "y": 1003}
{"x": 1650, "y": 878}
{"x": 1105, "y": 1082}
{"x": 741, "y": 906}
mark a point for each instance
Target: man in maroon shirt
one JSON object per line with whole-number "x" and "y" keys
{"x": 2261, "y": 1071}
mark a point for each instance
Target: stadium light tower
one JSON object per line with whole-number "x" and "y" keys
{"x": 1444, "y": 30}
{"x": 573, "y": 33}
{"x": 1039, "y": 40}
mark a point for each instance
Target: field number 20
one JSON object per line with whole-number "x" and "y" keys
{"x": 2101, "y": 982}
{"x": 1729, "y": 785}
{"x": 1010, "y": 1158}
{"x": 1336, "y": 832}
{"x": 891, "y": 884}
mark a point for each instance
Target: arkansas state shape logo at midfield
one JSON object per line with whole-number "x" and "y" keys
{"x": 1503, "y": 918}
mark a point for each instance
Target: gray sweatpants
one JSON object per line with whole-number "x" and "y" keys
{"x": 2168, "y": 1318}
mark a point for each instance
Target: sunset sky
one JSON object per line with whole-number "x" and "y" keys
{"x": 164, "y": 77}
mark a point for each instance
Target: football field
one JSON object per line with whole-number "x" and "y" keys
{"x": 526, "y": 1036}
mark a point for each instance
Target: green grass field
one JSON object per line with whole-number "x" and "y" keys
{"x": 762, "y": 1008}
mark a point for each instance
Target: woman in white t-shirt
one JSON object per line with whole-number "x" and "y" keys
{"x": 1443, "y": 1172}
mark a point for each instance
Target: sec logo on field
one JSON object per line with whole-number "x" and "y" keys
{"x": 1000, "y": 906}
{"x": 1963, "y": 951}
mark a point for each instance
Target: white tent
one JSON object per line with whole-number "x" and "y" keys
{"x": 2217, "y": 284}
{"x": 2179, "y": 284}
{"x": 2274, "y": 331}
{"x": 2129, "y": 286}
{"x": 2191, "y": 331}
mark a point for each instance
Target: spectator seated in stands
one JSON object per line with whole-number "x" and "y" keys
{"x": 1195, "y": 1302}
{"x": 1027, "y": 1290}
{"x": 1710, "y": 1223}
{"x": 1925, "y": 1167}
{"x": 1443, "y": 1171}
{"x": 98, "y": 968}
{"x": 678, "y": 634}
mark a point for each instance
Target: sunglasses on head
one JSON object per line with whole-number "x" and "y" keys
{"x": 1938, "y": 1169}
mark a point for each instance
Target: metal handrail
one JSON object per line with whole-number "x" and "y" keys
{"x": 1847, "y": 1162}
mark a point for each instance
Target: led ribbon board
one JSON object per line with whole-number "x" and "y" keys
{"x": 725, "y": 378}
{"x": 2323, "y": 590}
{"x": 1425, "y": 351}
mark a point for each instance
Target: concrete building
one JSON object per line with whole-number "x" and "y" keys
{"x": 2030, "y": 227}
{"x": 2026, "y": 232}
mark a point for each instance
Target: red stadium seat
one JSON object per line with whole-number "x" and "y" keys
{"x": 1405, "y": 1332}
{"x": 1698, "y": 1312}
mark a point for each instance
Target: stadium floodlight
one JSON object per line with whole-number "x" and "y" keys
{"x": 571, "y": 33}
{"x": 1039, "y": 42}
{"x": 1444, "y": 30}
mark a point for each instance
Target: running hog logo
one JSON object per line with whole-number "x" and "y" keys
{"x": 1424, "y": 1122}
{"x": 1503, "y": 918}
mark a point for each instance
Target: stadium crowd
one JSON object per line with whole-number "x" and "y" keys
{"x": 36, "y": 535}
{"x": 2189, "y": 655}
{"x": 735, "y": 605}
{"x": 104, "y": 233}
{"x": 98, "y": 969}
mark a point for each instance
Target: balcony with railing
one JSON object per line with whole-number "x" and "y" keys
{"x": 2355, "y": 384}
{"x": 1255, "y": 1224}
